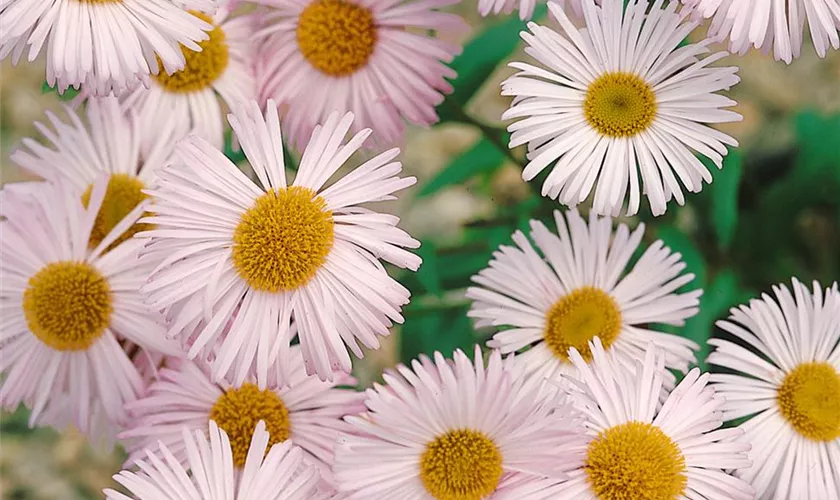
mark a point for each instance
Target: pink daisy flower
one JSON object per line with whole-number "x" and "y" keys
{"x": 221, "y": 75}
{"x": 457, "y": 430}
{"x": 368, "y": 57}
{"x": 640, "y": 446}
{"x": 209, "y": 474}
{"x": 66, "y": 307}
{"x": 305, "y": 411}
{"x": 102, "y": 139}
{"x": 107, "y": 45}
{"x": 276, "y": 252}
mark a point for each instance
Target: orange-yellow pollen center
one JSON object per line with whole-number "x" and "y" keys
{"x": 336, "y": 36}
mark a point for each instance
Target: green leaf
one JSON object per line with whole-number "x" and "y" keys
{"x": 428, "y": 274}
{"x": 483, "y": 157}
{"x": 817, "y": 139}
{"x": 68, "y": 94}
{"x": 725, "y": 198}
{"x": 679, "y": 242}
{"x": 479, "y": 60}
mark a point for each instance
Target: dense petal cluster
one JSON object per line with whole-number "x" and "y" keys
{"x": 181, "y": 282}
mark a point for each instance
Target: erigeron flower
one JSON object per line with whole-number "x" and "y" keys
{"x": 639, "y": 448}
{"x": 278, "y": 473}
{"x": 580, "y": 286}
{"x": 777, "y": 25}
{"x": 374, "y": 58}
{"x": 303, "y": 410}
{"x": 68, "y": 308}
{"x": 783, "y": 374}
{"x": 107, "y": 45}
{"x": 219, "y": 77}
{"x": 102, "y": 139}
{"x": 457, "y": 430}
{"x": 620, "y": 106}
{"x": 276, "y": 252}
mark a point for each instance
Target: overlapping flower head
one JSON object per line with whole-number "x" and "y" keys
{"x": 66, "y": 307}
{"x": 785, "y": 357}
{"x": 526, "y": 7}
{"x": 620, "y": 106}
{"x": 280, "y": 473}
{"x": 457, "y": 429}
{"x": 772, "y": 25}
{"x": 107, "y": 45}
{"x": 221, "y": 74}
{"x": 579, "y": 287}
{"x": 641, "y": 448}
{"x": 368, "y": 57}
{"x": 274, "y": 252}
{"x": 304, "y": 410}
{"x": 102, "y": 139}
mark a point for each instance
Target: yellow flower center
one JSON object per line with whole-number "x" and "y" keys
{"x": 68, "y": 305}
{"x": 461, "y": 465}
{"x": 283, "y": 239}
{"x": 809, "y": 399}
{"x": 579, "y": 317}
{"x": 635, "y": 461}
{"x": 201, "y": 68}
{"x": 124, "y": 193}
{"x": 619, "y": 104}
{"x": 238, "y": 411}
{"x": 336, "y": 36}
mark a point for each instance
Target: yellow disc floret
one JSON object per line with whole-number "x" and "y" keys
{"x": 283, "y": 239}
{"x": 809, "y": 399}
{"x": 635, "y": 461}
{"x": 124, "y": 193}
{"x": 201, "y": 68}
{"x": 238, "y": 411}
{"x": 619, "y": 104}
{"x": 579, "y": 317}
{"x": 68, "y": 305}
{"x": 336, "y": 36}
{"x": 461, "y": 465}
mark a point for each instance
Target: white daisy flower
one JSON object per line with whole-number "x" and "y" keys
{"x": 107, "y": 142}
{"x": 306, "y": 411}
{"x": 618, "y": 100}
{"x": 579, "y": 287}
{"x": 107, "y": 45}
{"x": 378, "y": 59}
{"x": 787, "y": 382}
{"x": 223, "y": 72}
{"x": 65, "y": 308}
{"x": 210, "y": 474}
{"x": 776, "y": 25}
{"x": 457, "y": 430}
{"x": 639, "y": 448}
{"x": 276, "y": 252}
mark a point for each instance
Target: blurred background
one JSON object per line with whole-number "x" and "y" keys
{"x": 772, "y": 213}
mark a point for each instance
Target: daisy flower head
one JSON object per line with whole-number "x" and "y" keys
{"x": 221, "y": 74}
{"x": 787, "y": 383}
{"x": 457, "y": 429}
{"x": 306, "y": 411}
{"x": 107, "y": 45}
{"x": 639, "y": 448}
{"x": 280, "y": 473}
{"x": 275, "y": 252}
{"x": 67, "y": 309}
{"x": 102, "y": 139}
{"x": 374, "y": 58}
{"x": 619, "y": 100}
{"x": 772, "y": 25}
{"x": 580, "y": 286}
